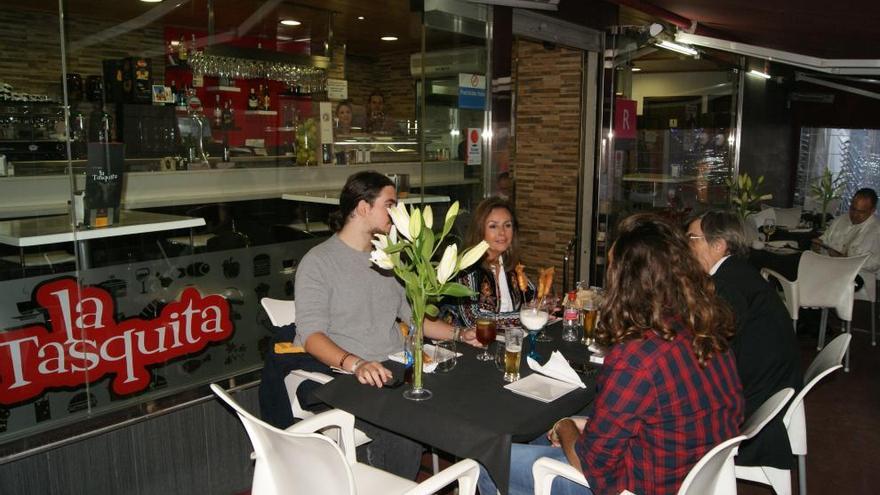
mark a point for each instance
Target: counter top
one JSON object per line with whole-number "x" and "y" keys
{"x": 332, "y": 198}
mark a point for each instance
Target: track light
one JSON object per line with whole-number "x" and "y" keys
{"x": 675, "y": 47}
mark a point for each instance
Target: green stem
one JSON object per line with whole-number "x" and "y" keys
{"x": 417, "y": 350}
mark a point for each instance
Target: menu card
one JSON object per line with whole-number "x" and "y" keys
{"x": 103, "y": 193}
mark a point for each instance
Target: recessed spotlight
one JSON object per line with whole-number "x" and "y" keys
{"x": 151, "y": 1}
{"x": 360, "y": 17}
{"x": 636, "y": 69}
{"x": 290, "y": 22}
{"x": 388, "y": 38}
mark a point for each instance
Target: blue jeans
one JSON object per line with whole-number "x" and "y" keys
{"x": 522, "y": 456}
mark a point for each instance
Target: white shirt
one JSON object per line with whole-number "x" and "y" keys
{"x": 855, "y": 240}
{"x": 717, "y": 265}
{"x": 506, "y": 304}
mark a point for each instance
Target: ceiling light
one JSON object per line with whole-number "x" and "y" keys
{"x": 388, "y": 38}
{"x": 677, "y": 47}
{"x": 360, "y": 17}
{"x": 655, "y": 28}
{"x": 758, "y": 73}
{"x": 151, "y": 1}
{"x": 636, "y": 69}
{"x": 290, "y": 22}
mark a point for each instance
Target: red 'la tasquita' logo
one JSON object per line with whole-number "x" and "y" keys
{"x": 85, "y": 342}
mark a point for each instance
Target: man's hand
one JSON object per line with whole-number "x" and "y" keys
{"x": 372, "y": 373}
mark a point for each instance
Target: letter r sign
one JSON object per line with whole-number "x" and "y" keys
{"x": 624, "y": 119}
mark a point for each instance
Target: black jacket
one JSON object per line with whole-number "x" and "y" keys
{"x": 767, "y": 355}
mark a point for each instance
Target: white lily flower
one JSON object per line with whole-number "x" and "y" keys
{"x": 472, "y": 255}
{"x": 428, "y": 216}
{"x": 380, "y": 241}
{"x": 447, "y": 263}
{"x": 452, "y": 211}
{"x": 392, "y": 236}
{"x": 415, "y": 224}
{"x": 381, "y": 259}
{"x": 400, "y": 218}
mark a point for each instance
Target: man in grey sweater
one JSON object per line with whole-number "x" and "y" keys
{"x": 346, "y": 307}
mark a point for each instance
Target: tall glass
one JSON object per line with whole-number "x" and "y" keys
{"x": 513, "y": 338}
{"x": 591, "y": 314}
{"x": 769, "y": 227}
{"x": 533, "y": 319}
{"x": 486, "y": 331}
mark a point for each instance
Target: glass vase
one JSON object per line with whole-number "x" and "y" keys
{"x": 417, "y": 392}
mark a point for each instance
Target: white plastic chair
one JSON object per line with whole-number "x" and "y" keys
{"x": 280, "y": 312}
{"x": 299, "y": 460}
{"x": 868, "y": 292}
{"x": 759, "y": 217}
{"x": 822, "y": 282}
{"x": 795, "y": 422}
{"x": 283, "y": 313}
{"x": 788, "y": 217}
{"x": 712, "y": 475}
{"x": 779, "y": 479}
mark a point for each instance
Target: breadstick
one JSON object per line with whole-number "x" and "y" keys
{"x": 521, "y": 279}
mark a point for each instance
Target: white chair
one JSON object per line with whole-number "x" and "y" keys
{"x": 712, "y": 475}
{"x": 299, "y": 460}
{"x": 283, "y": 313}
{"x": 280, "y": 312}
{"x": 788, "y": 217}
{"x": 826, "y": 362}
{"x": 796, "y": 423}
{"x": 822, "y": 282}
{"x": 759, "y": 217}
{"x": 779, "y": 479}
{"x": 868, "y": 292}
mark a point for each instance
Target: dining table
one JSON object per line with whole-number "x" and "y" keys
{"x": 470, "y": 414}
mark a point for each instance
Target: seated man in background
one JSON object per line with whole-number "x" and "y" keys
{"x": 765, "y": 347}
{"x": 857, "y": 233}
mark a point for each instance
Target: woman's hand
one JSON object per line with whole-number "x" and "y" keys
{"x": 469, "y": 336}
{"x": 372, "y": 373}
{"x": 567, "y": 427}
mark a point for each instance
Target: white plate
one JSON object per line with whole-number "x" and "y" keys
{"x": 539, "y": 387}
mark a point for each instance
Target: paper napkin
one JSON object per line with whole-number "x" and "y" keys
{"x": 426, "y": 367}
{"x": 557, "y": 367}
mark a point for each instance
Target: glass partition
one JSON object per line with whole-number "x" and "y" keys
{"x": 167, "y": 165}
{"x": 669, "y": 135}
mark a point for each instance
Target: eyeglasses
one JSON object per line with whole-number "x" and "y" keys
{"x": 695, "y": 236}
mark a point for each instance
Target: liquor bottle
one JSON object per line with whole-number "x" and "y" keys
{"x": 181, "y": 50}
{"x": 267, "y": 101}
{"x": 227, "y": 115}
{"x": 218, "y": 112}
{"x": 252, "y": 100}
{"x": 571, "y": 318}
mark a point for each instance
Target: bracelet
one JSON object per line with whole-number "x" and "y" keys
{"x": 356, "y": 364}
{"x": 342, "y": 361}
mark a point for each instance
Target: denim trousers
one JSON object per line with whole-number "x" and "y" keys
{"x": 522, "y": 456}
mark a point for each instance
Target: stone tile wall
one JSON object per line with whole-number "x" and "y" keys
{"x": 546, "y": 151}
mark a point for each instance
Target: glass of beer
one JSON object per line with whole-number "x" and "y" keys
{"x": 485, "y": 335}
{"x": 591, "y": 312}
{"x": 513, "y": 339}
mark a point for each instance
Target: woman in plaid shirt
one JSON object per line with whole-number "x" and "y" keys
{"x": 668, "y": 391}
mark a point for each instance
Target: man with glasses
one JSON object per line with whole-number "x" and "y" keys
{"x": 765, "y": 348}
{"x": 857, "y": 233}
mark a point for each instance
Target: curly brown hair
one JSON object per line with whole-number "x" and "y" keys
{"x": 653, "y": 281}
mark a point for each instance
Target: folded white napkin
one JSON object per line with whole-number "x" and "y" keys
{"x": 429, "y": 350}
{"x": 557, "y": 367}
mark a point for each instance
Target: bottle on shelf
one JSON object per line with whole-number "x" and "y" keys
{"x": 218, "y": 112}
{"x": 253, "y": 103}
{"x": 182, "y": 54}
{"x": 266, "y": 99}
{"x": 571, "y": 318}
{"x": 227, "y": 116}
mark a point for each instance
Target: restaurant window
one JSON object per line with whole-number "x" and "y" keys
{"x": 166, "y": 166}
{"x": 852, "y": 154}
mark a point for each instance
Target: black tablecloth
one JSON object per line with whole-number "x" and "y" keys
{"x": 804, "y": 239}
{"x": 784, "y": 264}
{"x": 470, "y": 415}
